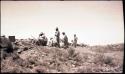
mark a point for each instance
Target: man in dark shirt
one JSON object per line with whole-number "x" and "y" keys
{"x": 65, "y": 40}
{"x": 75, "y": 40}
{"x": 57, "y": 34}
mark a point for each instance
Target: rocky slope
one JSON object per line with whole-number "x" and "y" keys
{"x": 30, "y": 58}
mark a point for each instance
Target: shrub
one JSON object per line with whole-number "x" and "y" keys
{"x": 71, "y": 52}
{"x": 40, "y": 69}
{"x": 102, "y": 59}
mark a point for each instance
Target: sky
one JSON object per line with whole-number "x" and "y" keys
{"x": 94, "y": 22}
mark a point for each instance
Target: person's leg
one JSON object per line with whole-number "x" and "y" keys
{"x": 67, "y": 44}
{"x": 58, "y": 42}
{"x": 75, "y": 44}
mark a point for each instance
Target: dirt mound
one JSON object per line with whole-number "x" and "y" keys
{"x": 30, "y": 58}
{"x": 39, "y": 59}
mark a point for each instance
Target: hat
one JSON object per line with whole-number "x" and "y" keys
{"x": 41, "y": 33}
{"x": 63, "y": 32}
{"x": 56, "y": 28}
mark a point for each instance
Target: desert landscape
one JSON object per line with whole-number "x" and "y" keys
{"x": 28, "y": 57}
{"x": 62, "y": 36}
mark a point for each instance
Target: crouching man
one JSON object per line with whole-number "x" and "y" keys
{"x": 42, "y": 39}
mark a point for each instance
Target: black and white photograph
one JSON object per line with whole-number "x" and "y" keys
{"x": 62, "y": 36}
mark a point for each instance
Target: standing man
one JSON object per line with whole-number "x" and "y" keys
{"x": 65, "y": 40}
{"x": 75, "y": 40}
{"x": 57, "y": 34}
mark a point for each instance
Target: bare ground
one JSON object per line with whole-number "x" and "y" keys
{"x": 30, "y": 58}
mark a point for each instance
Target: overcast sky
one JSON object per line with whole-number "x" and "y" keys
{"x": 94, "y": 22}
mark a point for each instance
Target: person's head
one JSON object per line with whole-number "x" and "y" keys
{"x": 51, "y": 38}
{"x": 41, "y": 34}
{"x": 63, "y": 33}
{"x": 74, "y": 35}
{"x": 57, "y": 29}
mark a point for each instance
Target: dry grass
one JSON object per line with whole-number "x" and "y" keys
{"x": 39, "y": 59}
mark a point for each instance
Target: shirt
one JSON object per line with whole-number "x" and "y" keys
{"x": 57, "y": 33}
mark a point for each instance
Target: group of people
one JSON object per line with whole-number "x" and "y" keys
{"x": 57, "y": 41}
